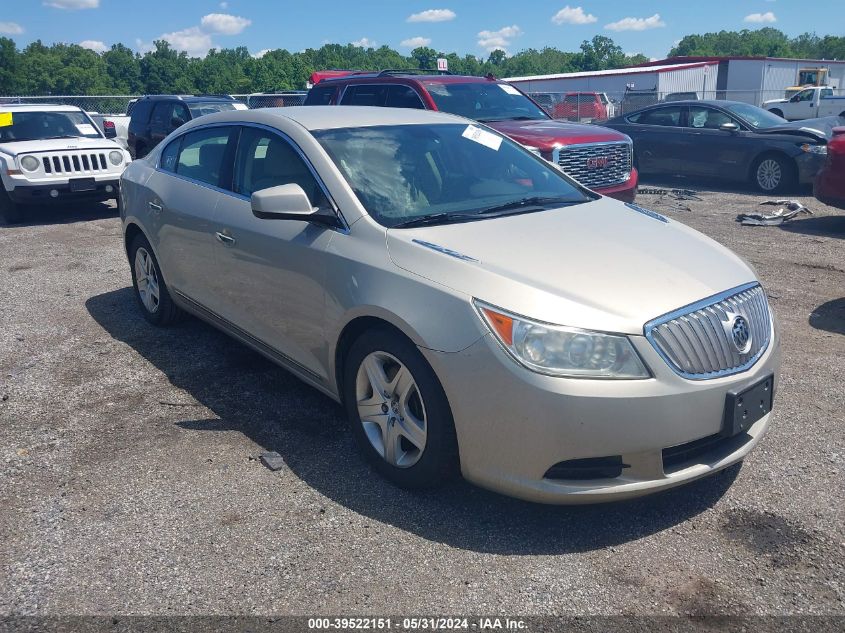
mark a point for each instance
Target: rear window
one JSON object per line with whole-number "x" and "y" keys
{"x": 320, "y": 95}
{"x": 366, "y": 95}
{"x": 200, "y": 108}
{"x": 580, "y": 99}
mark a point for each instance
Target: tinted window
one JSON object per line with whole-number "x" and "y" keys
{"x": 483, "y": 100}
{"x": 200, "y": 108}
{"x": 320, "y": 95}
{"x": 202, "y": 154}
{"x": 267, "y": 160}
{"x": 364, "y": 95}
{"x": 161, "y": 114}
{"x": 404, "y": 172}
{"x": 707, "y": 118}
{"x": 167, "y": 161}
{"x": 403, "y": 97}
{"x": 668, "y": 117}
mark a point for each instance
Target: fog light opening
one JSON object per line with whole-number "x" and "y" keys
{"x": 54, "y": 193}
{"x": 109, "y": 188}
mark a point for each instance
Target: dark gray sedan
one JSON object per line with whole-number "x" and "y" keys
{"x": 727, "y": 140}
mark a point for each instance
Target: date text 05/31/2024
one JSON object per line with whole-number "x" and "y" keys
{"x": 416, "y": 624}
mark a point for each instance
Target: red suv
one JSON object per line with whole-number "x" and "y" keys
{"x": 830, "y": 181}
{"x": 580, "y": 106}
{"x": 597, "y": 157}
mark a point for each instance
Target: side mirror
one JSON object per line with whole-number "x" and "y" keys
{"x": 288, "y": 202}
{"x": 729, "y": 127}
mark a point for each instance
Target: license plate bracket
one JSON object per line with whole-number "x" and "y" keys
{"x": 744, "y": 408}
{"x": 82, "y": 184}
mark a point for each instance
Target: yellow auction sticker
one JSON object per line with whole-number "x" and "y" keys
{"x": 5, "y": 119}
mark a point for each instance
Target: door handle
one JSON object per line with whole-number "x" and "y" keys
{"x": 223, "y": 238}
{"x": 156, "y": 208}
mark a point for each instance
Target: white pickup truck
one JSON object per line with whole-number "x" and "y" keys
{"x": 811, "y": 103}
{"x": 54, "y": 153}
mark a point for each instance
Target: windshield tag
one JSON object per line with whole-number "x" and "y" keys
{"x": 5, "y": 119}
{"x": 509, "y": 89}
{"x": 488, "y": 139}
{"x": 86, "y": 128}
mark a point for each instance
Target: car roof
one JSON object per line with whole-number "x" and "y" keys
{"x": 38, "y": 107}
{"x": 710, "y": 102}
{"x": 391, "y": 77}
{"x": 334, "y": 117}
{"x": 190, "y": 98}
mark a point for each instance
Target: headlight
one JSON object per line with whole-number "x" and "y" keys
{"x": 115, "y": 157}
{"x": 557, "y": 350}
{"x": 814, "y": 149}
{"x": 30, "y": 163}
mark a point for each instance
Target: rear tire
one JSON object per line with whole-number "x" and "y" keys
{"x": 9, "y": 211}
{"x": 151, "y": 291}
{"x": 773, "y": 173}
{"x": 398, "y": 411}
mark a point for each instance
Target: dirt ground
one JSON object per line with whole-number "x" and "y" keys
{"x": 129, "y": 478}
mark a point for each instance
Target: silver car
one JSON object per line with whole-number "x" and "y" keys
{"x": 474, "y": 309}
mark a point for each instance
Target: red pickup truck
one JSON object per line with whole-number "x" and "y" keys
{"x": 597, "y": 157}
{"x": 830, "y": 181}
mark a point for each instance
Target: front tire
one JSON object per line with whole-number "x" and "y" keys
{"x": 151, "y": 291}
{"x": 9, "y": 211}
{"x": 777, "y": 112}
{"x": 772, "y": 173}
{"x": 400, "y": 417}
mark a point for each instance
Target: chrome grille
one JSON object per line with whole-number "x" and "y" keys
{"x": 74, "y": 163}
{"x": 698, "y": 342}
{"x": 596, "y": 165}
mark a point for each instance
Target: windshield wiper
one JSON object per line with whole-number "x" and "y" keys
{"x": 434, "y": 219}
{"x": 509, "y": 118}
{"x": 527, "y": 204}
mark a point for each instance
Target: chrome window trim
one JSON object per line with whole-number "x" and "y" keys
{"x": 344, "y": 228}
{"x": 649, "y": 327}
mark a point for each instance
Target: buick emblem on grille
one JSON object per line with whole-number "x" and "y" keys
{"x": 738, "y": 331}
{"x": 597, "y": 162}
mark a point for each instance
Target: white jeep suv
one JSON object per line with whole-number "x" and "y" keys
{"x": 51, "y": 153}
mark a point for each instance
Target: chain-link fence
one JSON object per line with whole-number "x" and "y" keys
{"x": 594, "y": 107}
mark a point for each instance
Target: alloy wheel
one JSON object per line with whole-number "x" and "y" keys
{"x": 146, "y": 280}
{"x": 391, "y": 409}
{"x": 769, "y": 174}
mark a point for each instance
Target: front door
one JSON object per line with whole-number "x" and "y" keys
{"x": 716, "y": 152}
{"x": 270, "y": 274}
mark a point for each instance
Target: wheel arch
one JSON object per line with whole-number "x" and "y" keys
{"x": 776, "y": 153}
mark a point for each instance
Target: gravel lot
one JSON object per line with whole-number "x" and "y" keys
{"x": 129, "y": 479}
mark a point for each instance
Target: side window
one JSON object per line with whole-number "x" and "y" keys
{"x": 707, "y": 118}
{"x": 267, "y": 160}
{"x": 364, "y": 95}
{"x": 179, "y": 113}
{"x": 202, "y": 154}
{"x": 320, "y": 95}
{"x": 403, "y": 97}
{"x": 827, "y": 92}
{"x": 805, "y": 95}
{"x": 161, "y": 114}
{"x": 169, "y": 154}
{"x": 666, "y": 117}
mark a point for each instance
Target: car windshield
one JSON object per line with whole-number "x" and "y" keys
{"x": 483, "y": 101}
{"x": 444, "y": 173}
{"x": 757, "y": 118}
{"x": 199, "y": 109}
{"x": 36, "y": 126}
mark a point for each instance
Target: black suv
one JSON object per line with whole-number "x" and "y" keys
{"x": 154, "y": 117}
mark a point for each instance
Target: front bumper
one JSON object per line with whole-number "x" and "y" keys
{"x": 829, "y": 188}
{"x": 626, "y": 192}
{"x": 808, "y": 166}
{"x": 41, "y": 194}
{"x": 513, "y": 425}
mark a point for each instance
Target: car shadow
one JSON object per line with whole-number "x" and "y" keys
{"x": 250, "y": 395}
{"x": 824, "y": 225}
{"x": 829, "y": 317}
{"x": 650, "y": 181}
{"x": 36, "y": 215}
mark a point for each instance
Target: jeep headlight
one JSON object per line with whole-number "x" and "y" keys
{"x": 115, "y": 157}
{"x": 558, "y": 350}
{"x": 30, "y": 163}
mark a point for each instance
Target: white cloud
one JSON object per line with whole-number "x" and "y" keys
{"x": 501, "y": 39}
{"x": 192, "y": 40}
{"x": 636, "y": 24}
{"x": 224, "y": 23}
{"x": 570, "y": 15}
{"x": 760, "y": 18}
{"x": 415, "y": 42}
{"x": 10, "y": 28}
{"x": 364, "y": 42}
{"x": 73, "y": 5}
{"x": 432, "y": 15}
{"x": 262, "y": 53}
{"x": 95, "y": 45}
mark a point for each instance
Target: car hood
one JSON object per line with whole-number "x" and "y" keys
{"x": 601, "y": 265}
{"x": 14, "y": 148}
{"x": 546, "y": 134}
{"x": 774, "y": 101}
{"x": 817, "y": 129}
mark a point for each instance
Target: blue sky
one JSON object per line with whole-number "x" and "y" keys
{"x": 465, "y": 26}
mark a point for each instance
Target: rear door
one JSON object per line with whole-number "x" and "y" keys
{"x": 660, "y": 144}
{"x": 184, "y": 191}
{"x": 269, "y": 275}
